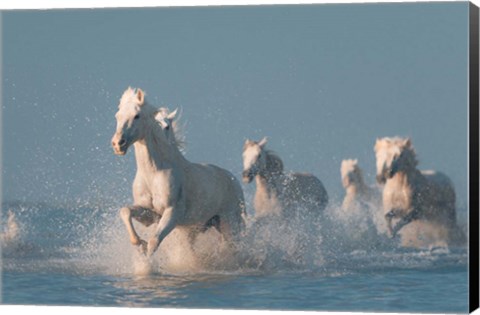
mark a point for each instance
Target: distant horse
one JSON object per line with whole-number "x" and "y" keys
{"x": 279, "y": 193}
{"x": 357, "y": 193}
{"x": 168, "y": 190}
{"x": 11, "y": 229}
{"x": 423, "y": 198}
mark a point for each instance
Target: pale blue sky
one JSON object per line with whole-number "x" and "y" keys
{"x": 322, "y": 82}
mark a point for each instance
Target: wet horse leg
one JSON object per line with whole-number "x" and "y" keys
{"x": 388, "y": 217}
{"x": 231, "y": 226}
{"x": 165, "y": 225}
{"x": 142, "y": 215}
{"x": 404, "y": 221}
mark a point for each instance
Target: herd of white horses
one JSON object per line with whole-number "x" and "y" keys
{"x": 170, "y": 192}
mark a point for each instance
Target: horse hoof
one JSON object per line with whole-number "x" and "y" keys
{"x": 392, "y": 235}
{"x": 142, "y": 247}
{"x": 136, "y": 241}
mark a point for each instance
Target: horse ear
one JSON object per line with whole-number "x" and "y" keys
{"x": 140, "y": 96}
{"x": 172, "y": 114}
{"x": 355, "y": 161}
{"x": 263, "y": 142}
{"x": 408, "y": 143}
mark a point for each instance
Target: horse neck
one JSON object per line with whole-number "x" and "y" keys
{"x": 154, "y": 152}
{"x": 407, "y": 177}
{"x": 268, "y": 183}
{"x": 352, "y": 190}
{"x": 358, "y": 187}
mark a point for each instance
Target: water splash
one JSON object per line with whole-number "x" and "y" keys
{"x": 92, "y": 239}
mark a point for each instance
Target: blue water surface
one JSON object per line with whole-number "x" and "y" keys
{"x": 439, "y": 291}
{"x": 54, "y": 263}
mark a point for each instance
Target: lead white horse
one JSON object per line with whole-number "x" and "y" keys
{"x": 424, "y": 199}
{"x": 169, "y": 191}
{"x": 279, "y": 193}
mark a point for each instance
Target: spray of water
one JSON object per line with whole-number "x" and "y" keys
{"x": 92, "y": 239}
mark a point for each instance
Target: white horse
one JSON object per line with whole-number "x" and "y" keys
{"x": 357, "y": 193}
{"x": 425, "y": 199}
{"x": 11, "y": 230}
{"x": 360, "y": 206}
{"x": 168, "y": 190}
{"x": 278, "y": 193}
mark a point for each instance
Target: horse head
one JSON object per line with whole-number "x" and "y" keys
{"x": 351, "y": 173}
{"x": 166, "y": 121}
{"x": 393, "y": 155}
{"x": 131, "y": 117}
{"x": 254, "y": 159}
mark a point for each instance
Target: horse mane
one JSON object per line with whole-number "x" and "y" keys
{"x": 127, "y": 96}
{"x": 407, "y": 148}
{"x": 411, "y": 156}
{"x": 404, "y": 144}
{"x": 274, "y": 162}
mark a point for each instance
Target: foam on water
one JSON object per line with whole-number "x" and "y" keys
{"x": 92, "y": 239}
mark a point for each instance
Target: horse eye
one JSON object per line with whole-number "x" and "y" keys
{"x": 167, "y": 127}
{"x": 136, "y": 116}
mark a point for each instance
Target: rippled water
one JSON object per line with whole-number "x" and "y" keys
{"x": 80, "y": 255}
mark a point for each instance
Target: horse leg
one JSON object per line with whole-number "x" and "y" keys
{"x": 388, "y": 217}
{"x": 166, "y": 224}
{"x": 231, "y": 225}
{"x": 142, "y": 215}
{"x": 404, "y": 221}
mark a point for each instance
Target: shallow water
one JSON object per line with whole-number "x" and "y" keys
{"x": 442, "y": 290}
{"x": 80, "y": 256}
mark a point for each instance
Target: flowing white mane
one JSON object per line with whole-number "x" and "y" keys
{"x": 388, "y": 143}
{"x": 129, "y": 96}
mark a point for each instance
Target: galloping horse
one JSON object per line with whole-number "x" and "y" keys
{"x": 11, "y": 230}
{"x": 279, "y": 193}
{"x": 357, "y": 193}
{"x": 168, "y": 190}
{"x": 410, "y": 195}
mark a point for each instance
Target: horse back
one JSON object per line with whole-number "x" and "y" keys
{"x": 437, "y": 178}
{"x": 439, "y": 192}
{"x": 215, "y": 186}
{"x": 307, "y": 188}
{"x": 440, "y": 185}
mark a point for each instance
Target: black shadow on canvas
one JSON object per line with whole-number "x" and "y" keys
{"x": 474, "y": 207}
